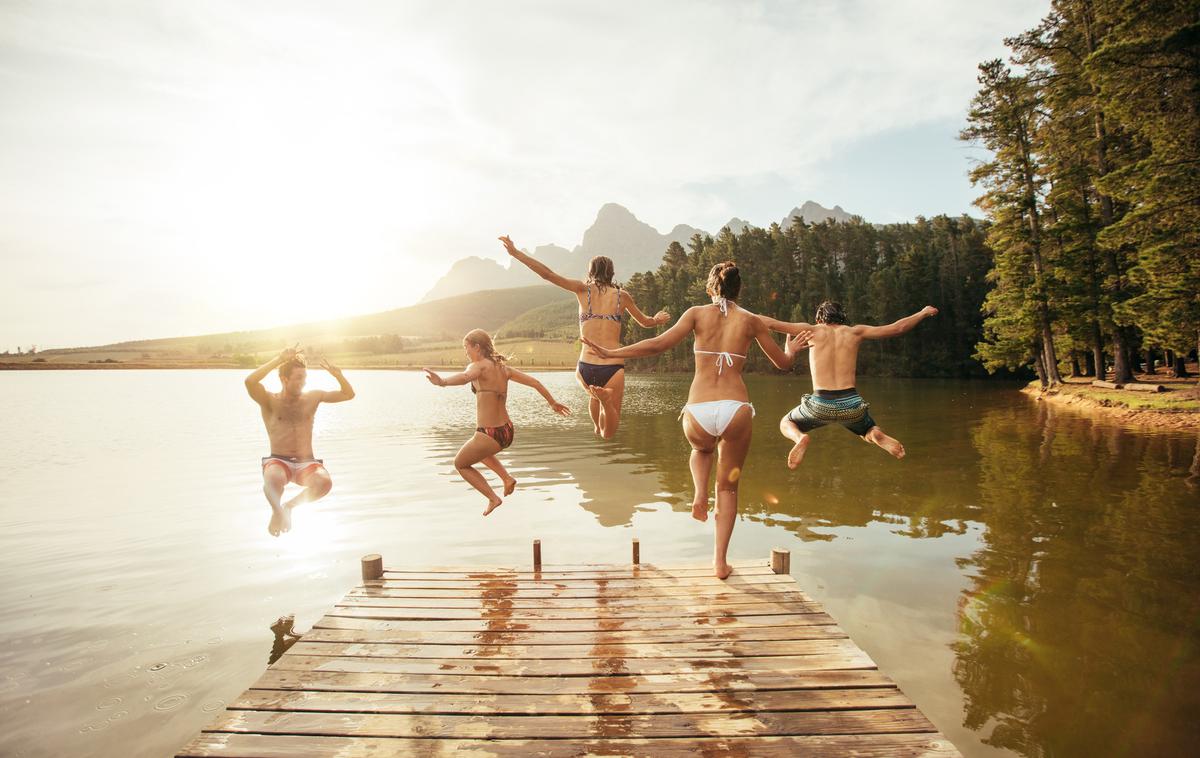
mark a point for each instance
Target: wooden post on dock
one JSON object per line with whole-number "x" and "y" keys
{"x": 537, "y": 555}
{"x": 781, "y": 560}
{"x": 637, "y": 552}
{"x": 372, "y": 567}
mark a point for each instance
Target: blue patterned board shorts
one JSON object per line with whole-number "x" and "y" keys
{"x": 845, "y": 407}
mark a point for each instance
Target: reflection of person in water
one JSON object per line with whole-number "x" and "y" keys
{"x": 285, "y": 637}
{"x": 602, "y": 307}
{"x": 288, "y": 416}
{"x": 834, "y": 364}
{"x": 489, "y": 374}
{"x": 718, "y": 415}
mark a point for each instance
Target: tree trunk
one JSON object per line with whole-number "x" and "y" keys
{"x": 1180, "y": 366}
{"x": 1089, "y": 364}
{"x": 1039, "y": 365}
{"x": 1075, "y": 370}
{"x": 1150, "y": 360}
{"x": 1098, "y": 350}
{"x": 1122, "y": 374}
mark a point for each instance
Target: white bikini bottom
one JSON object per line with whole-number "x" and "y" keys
{"x": 714, "y": 415}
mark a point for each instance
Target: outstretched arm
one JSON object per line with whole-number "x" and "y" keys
{"x": 654, "y": 345}
{"x": 787, "y": 327}
{"x": 258, "y": 393}
{"x": 468, "y": 375}
{"x": 785, "y": 358}
{"x": 344, "y": 392}
{"x": 896, "y": 328}
{"x": 541, "y": 269}
{"x": 520, "y": 377}
{"x": 659, "y": 318}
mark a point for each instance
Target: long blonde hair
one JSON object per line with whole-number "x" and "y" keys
{"x": 483, "y": 341}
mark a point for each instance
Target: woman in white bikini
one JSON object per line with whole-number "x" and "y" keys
{"x": 718, "y": 413}
{"x": 602, "y": 307}
{"x": 489, "y": 375}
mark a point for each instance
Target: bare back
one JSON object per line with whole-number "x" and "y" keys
{"x": 289, "y": 423}
{"x": 491, "y": 393}
{"x": 604, "y": 331}
{"x": 716, "y": 377}
{"x": 833, "y": 357}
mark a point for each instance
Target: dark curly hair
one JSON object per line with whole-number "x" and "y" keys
{"x": 830, "y": 312}
{"x": 724, "y": 281}
{"x": 286, "y": 368}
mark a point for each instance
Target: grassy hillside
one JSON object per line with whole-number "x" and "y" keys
{"x": 446, "y": 319}
{"x": 551, "y": 321}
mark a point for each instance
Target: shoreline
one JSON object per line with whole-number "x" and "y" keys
{"x": 1127, "y": 407}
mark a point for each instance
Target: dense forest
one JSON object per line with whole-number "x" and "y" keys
{"x": 1093, "y": 189}
{"x": 1089, "y": 261}
{"x": 879, "y": 273}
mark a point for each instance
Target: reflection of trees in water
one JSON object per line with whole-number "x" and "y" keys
{"x": 1081, "y": 626}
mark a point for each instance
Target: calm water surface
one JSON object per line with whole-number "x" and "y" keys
{"x": 1029, "y": 577}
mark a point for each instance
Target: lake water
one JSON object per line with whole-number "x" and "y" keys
{"x": 1030, "y": 577}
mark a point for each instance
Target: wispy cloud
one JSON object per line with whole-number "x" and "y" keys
{"x": 346, "y": 153}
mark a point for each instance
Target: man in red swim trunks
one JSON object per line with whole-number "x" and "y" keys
{"x": 288, "y": 416}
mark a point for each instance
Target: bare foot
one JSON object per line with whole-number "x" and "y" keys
{"x": 890, "y": 444}
{"x": 700, "y": 510}
{"x": 509, "y": 486}
{"x": 603, "y": 394}
{"x": 276, "y": 525}
{"x": 492, "y": 505}
{"x": 796, "y": 454}
{"x": 285, "y": 521}
{"x": 722, "y": 570}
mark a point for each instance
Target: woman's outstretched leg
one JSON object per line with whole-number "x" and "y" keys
{"x": 611, "y": 396}
{"x": 474, "y": 451}
{"x": 594, "y": 406}
{"x": 495, "y": 465}
{"x": 703, "y": 444}
{"x": 731, "y": 457}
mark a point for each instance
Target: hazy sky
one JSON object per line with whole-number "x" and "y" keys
{"x": 171, "y": 168}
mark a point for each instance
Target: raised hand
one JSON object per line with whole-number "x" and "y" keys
{"x": 508, "y": 245}
{"x": 928, "y": 311}
{"x": 325, "y": 364}
{"x": 662, "y": 317}
{"x": 289, "y": 353}
{"x": 603, "y": 352}
{"x": 433, "y": 377}
{"x": 798, "y": 341}
{"x": 559, "y": 408}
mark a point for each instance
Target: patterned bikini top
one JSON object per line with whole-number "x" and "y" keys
{"x": 476, "y": 390}
{"x": 606, "y": 316}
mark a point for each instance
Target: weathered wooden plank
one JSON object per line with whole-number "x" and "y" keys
{"x": 319, "y": 642}
{"x": 536, "y": 641}
{"x": 881, "y": 721}
{"x": 734, "y": 580}
{"x": 399, "y": 609}
{"x": 228, "y": 744}
{"x": 746, "y": 701}
{"x": 634, "y": 592}
{"x": 332, "y": 681}
{"x": 570, "y": 652}
{"x": 840, "y": 656}
{"x": 599, "y": 573}
{"x": 498, "y": 630}
{"x": 501, "y": 623}
{"x": 697, "y": 567}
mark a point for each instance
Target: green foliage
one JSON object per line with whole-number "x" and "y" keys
{"x": 878, "y": 273}
{"x": 1093, "y": 187}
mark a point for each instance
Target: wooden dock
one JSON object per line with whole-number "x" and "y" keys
{"x": 573, "y": 660}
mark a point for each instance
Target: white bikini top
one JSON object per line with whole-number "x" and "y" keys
{"x": 724, "y": 357}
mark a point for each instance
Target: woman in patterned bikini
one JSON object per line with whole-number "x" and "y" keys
{"x": 489, "y": 375}
{"x": 718, "y": 415}
{"x": 602, "y": 307}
